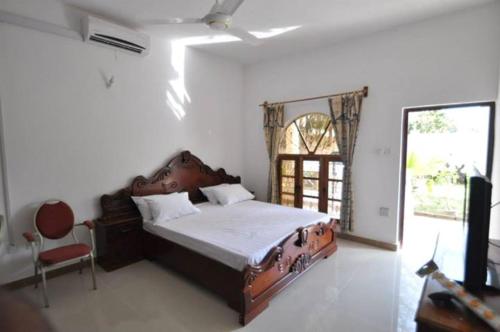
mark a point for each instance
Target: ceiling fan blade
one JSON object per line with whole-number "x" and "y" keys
{"x": 244, "y": 35}
{"x": 228, "y": 7}
{"x": 173, "y": 21}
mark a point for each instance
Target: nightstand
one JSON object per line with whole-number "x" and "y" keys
{"x": 118, "y": 243}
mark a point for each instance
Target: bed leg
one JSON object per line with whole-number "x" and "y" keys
{"x": 247, "y": 317}
{"x": 330, "y": 252}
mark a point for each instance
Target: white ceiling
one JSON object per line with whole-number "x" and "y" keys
{"x": 322, "y": 22}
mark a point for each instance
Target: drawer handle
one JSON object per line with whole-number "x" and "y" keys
{"x": 126, "y": 230}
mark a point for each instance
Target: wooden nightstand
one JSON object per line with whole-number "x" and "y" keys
{"x": 119, "y": 243}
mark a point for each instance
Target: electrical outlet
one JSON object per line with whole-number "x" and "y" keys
{"x": 383, "y": 211}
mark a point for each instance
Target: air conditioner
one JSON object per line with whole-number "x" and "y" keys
{"x": 98, "y": 31}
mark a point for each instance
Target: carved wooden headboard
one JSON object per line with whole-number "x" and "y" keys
{"x": 184, "y": 172}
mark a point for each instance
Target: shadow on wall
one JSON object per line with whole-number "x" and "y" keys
{"x": 22, "y": 221}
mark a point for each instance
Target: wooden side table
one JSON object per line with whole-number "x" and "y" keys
{"x": 429, "y": 317}
{"x": 118, "y": 243}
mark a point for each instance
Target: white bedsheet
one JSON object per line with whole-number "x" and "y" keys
{"x": 238, "y": 234}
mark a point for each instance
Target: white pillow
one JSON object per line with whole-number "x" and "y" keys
{"x": 209, "y": 192}
{"x": 143, "y": 207}
{"x": 231, "y": 194}
{"x": 171, "y": 206}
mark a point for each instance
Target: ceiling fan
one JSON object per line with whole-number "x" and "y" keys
{"x": 219, "y": 18}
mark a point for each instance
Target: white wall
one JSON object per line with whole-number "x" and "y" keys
{"x": 3, "y": 224}
{"x": 495, "y": 212}
{"x": 444, "y": 60}
{"x": 68, "y": 136}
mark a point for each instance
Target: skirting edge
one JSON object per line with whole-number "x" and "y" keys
{"x": 16, "y": 284}
{"x": 370, "y": 242}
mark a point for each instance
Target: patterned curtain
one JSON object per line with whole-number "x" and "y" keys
{"x": 273, "y": 127}
{"x": 345, "y": 111}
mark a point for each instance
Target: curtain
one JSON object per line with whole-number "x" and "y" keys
{"x": 345, "y": 111}
{"x": 273, "y": 128}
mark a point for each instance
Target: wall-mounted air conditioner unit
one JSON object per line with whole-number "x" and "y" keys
{"x": 98, "y": 31}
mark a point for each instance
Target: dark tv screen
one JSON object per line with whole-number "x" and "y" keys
{"x": 477, "y": 236}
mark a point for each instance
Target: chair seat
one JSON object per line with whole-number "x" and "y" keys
{"x": 64, "y": 253}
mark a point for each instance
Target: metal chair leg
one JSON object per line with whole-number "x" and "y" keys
{"x": 92, "y": 266}
{"x": 44, "y": 283}
{"x": 81, "y": 266}
{"x": 36, "y": 275}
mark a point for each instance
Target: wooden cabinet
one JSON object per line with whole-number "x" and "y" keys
{"x": 118, "y": 243}
{"x": 431, "y": 318}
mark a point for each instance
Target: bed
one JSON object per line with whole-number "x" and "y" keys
{"x": 246, "y": 252}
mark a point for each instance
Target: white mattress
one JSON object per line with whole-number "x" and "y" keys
{"x": 238, "y": 234}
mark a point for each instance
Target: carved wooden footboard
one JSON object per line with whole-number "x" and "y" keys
{"x": 283, "y": 264}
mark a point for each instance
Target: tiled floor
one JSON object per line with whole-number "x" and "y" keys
{"x": 420, "y": 235}
{"x": 359, "y": 288}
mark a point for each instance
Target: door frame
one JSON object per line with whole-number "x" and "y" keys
{"x": 404, "y": 148}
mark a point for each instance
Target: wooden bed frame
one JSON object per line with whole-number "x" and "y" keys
{"x": 248, "y": 291}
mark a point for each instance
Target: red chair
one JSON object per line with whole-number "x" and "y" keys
{"x": 54, "y": 220}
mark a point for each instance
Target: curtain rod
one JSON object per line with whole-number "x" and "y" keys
{"x": 364, "y": 91}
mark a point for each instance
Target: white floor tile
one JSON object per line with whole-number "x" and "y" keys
{"x": 359, "y": 288}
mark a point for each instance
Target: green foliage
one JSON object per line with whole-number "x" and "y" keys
{"x": 426, "y": 167}
{"x": 444, "y": 205}
{"x": 437, "y": 185}
{"x": 412, "y": 161}
{"x": 431, "y": 122}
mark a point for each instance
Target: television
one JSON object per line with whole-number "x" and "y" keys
{"x": 478, "y": 225}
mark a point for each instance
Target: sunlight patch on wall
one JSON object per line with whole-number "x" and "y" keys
{"x": 175, "y": 106}
{"x": 273, "y": 32}
{"x": 205, "y": 40}
{"x": 177, "y": 95}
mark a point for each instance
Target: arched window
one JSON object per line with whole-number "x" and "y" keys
{"x": 309, "y": 168}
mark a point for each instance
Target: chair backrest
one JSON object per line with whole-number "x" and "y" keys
{"x": 54, "y": 219}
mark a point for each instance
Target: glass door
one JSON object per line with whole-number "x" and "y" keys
{"x": 335, "y": 175}
{"x": 287, "y": 176}
{"x": 311, "y": 173}
{"x": 311, "y": 182}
